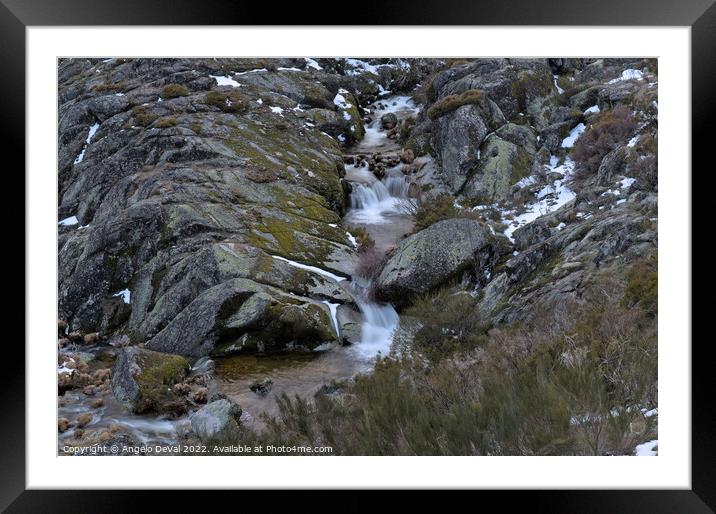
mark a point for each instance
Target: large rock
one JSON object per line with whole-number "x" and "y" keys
{"x": 217, "y": 421}
{"x": 175, "y": 197}
{"x": 433, "y": 256}
{"x": 241, "y": 315}
{"x": 457, "y": 139}
{"x": 142, "y": 380}
{"x": 501, "y": 165}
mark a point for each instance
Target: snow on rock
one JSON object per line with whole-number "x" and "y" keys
{"x": 67, "y": 222}
{"x": 125, "y": 294}
{"x": 568, "y": 141}
{"x": 629, "y": 74}
{"x": 647, "y": 449}
{"x": 360, "y": 66}
{"x": 225, "y": 81}
{"x": 632, "y": 141}
{"x": 257, "y": 70}
{"x": 559, "y": 89}
{"x": 593, "y": 109}
{"x": 319, "y": 271}
{"x": 92, "y": 131}
{"x": 550, "y": 198}
{"x": 340, "y": 101}
{"x": 312, "y": 63}
{"x": 626, "y": 182}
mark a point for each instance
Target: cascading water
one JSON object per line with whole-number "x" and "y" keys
{"x": 376, "y": 335}
{"x": 376, "y": 206}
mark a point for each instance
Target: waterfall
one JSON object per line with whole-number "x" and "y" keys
{"x": 370, "y": 197}
{"x": 376, "y": 334}
{"x": 370, "y": 203}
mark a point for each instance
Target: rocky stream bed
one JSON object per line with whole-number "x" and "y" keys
{"x": 232, "y": 230}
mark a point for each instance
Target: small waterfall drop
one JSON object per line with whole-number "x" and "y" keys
{"x": 379, "y": 324}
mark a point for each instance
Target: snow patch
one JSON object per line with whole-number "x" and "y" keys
{"x": 550, "y": 198}
{"x": 313, "y": 269}
{"x": 68, "y": 222}
{"x": 125, "y": 294}
{"x": 559, "y": 89}
{"x": 629, "y": 74}
{"x": 225, "y": 81}
{"x": 568, "y": 141}
{"x": 647, "y": 449}
{"x": 312, "y": 63}
{"x": 340, "y": 101}
{"x": 91, "y": 134}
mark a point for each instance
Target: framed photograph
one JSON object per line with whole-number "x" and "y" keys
{"x": 435, "y": 247}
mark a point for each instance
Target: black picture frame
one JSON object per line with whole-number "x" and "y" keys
{"x": 700, "y": 15}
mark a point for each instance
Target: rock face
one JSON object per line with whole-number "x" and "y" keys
{"x": 436, "y": 254}
{"x": 142, "y": 380}
{"x": 504, "y": 134}
{"x": 217, "y": 421}
{"x": 187, "y": 178}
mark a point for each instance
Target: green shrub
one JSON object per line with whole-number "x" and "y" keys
{"x": 142, "y": 117}
{"x": 174, "y": 91}
{"x": 227, "y": 101}
{"x": 116, "y": 87}
{"x": 450, "y": 324}
{"x": 433, "y": 209}
{"x": 642, "y": 286}
{"x": 452, "y": 102}
{"x": 165, "y": 122}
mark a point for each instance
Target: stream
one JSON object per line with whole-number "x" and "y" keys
{"x": 376, "y": 206}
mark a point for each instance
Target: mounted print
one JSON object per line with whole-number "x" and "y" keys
{"x": 357, "y": 256}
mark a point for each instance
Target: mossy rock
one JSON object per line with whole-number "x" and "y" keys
{"x": 450, "y": 103}
{"x": 501, "y": 165}
{"x": 142, "y": 380}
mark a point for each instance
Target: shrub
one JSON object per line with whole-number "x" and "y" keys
{"x": 433, "y": 209}
{"x": 452, "y": 102}
{"x": 608, "y": 130}
{"x": 370, "y": 262}
{"x": 117, "y": 87}
{"x": 405, "y": 128}
{"x": 174, "y": 91}
{"x": 363, "y": 238}
{"x": 642, "y": 286}
{"x": 231, "y": 101}
{"x": 645, "y": 171}
{"x": 165, "y": 122}
{"x": 430, "y": 208}
{"x": 570, "y": 381}
{"x": 142, "y": 117}
{"x": 450, "y": 324}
